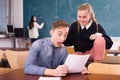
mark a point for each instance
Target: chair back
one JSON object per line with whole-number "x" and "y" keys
{"x": 5, "y": 70}
{"x": 1, "y": 55}
{"x": 16, "y": 59}
{"x": 70, "y": 49}
{"x": 103, "y": 68}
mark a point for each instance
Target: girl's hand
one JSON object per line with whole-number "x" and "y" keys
{"x": 93, "y": 36}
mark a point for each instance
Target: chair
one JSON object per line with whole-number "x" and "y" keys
{"x": 1, "y": 55}
{"x": 118, "y": 48}
{"x": 16, "y": 59}
{"x": 106, "y": 52}
{"x": 102, "y": 68}
{"x": 5, "y": 70}
{"x": 70, "y": 49}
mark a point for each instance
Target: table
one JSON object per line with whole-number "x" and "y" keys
{"x": 112, "y": 59}
{"x": 15, "y": 49}
{"x": 19, "y": 75}
{"x": 21, "y": 41}
{"x": 5, "y": 70}
{"x": 114, "y": 52}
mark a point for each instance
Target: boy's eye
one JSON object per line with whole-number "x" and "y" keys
{"x": 59, "y": 34}
{"x": 84, "y": 16}
{"x": 65, "y": 35}
{"x": 79, "y": 16}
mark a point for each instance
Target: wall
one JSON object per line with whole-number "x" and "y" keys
{"x": 16, "y": 21}
{"x": 2, "y": 15}
{"x": 107, "y": 13}
{"x": 11, "y": 14}
{"x": 116, "y": 43}
{"x": 17, "y": 13}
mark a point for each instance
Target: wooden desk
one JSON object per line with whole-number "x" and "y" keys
{"x": 23, "y": 41}
{"x": 112, "y": 59}
{"x": 19, "y": 75}
{"x": 15, "y": 49}
{"x": 114, "y": 52}
{"x": 5, "y": 70}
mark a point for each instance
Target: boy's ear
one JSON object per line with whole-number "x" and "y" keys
{"x": 51, "y": 32}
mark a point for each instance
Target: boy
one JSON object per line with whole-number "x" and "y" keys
{"x": 47, "y": 56}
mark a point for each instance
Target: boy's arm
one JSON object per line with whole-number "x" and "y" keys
{"x": 59, "y": 71}
{"x": 31, "y": 67}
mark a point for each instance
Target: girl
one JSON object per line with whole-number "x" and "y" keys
{"x": 33, "y": 28}
{"x": 87, "y": 36}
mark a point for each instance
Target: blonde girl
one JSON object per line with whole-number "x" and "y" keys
{"x": 87, "y": 35}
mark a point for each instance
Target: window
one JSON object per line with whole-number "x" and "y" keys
{"x": 3, "y": 16}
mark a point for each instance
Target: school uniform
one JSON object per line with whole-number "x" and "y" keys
{"x": 79, "y": 38}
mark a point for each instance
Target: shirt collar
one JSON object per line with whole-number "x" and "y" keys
{"x": 88, "y": 25}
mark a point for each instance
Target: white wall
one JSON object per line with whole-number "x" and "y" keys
{"x": 116, "y": 43}
{"x": 17, "y": 17}
{"x": 16, "y": 21}
{"x": 6, "y": 43}
{"x": 17, "y": 13}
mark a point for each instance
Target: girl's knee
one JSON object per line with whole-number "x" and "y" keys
{"x": 99, "y": 40}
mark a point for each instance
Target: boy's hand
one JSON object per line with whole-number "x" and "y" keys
{"x": 84, "y": 71}
{"x": 61, "y": 70}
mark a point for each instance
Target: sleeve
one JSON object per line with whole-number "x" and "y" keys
{"x": 108, "y": 40}
{"x": 31, "y": 66}
{"x": 39, "y": 26}
{"x": 71, "y": 36}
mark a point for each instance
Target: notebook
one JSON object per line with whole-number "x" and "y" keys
{"x": 49, "y": 78}
{"x": 76, "y": 63}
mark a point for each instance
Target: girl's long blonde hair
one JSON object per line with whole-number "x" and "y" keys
{"x": 88, "y": 7}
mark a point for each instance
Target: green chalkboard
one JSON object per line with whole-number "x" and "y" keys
{"x": 107, "y": 13}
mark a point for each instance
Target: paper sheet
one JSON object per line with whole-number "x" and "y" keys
{"x": 76, "y": 63}
{"x": 49, "y": 78}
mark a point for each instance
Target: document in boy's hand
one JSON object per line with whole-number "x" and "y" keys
{"x": 76, "y": 63}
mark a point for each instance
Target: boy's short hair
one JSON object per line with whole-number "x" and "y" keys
{"x": 59, "y": 23}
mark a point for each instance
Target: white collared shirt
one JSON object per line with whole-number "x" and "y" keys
{"x": 88, "y": 25}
